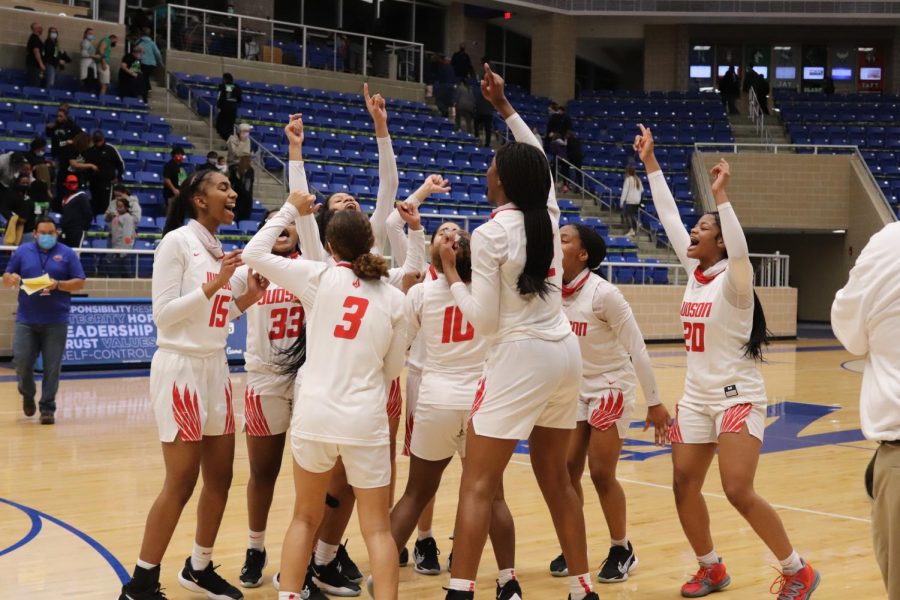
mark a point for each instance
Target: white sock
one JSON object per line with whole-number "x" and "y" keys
{"x": 792, "y": 564}
{"x": 580, "y": 586}
{"x": 424, "y": 535}
{"x": 200, "y": 557}
{"x": 145, "y": 565}
{"x": 505, "y": 576}
{"x": 288, "y": 595}
{"x": 623, "y": 542}
{"x": 460, "y": 585}
{"x": 325, "y": 553}
{"x": 256, "y": 540}
{"x": 709, "y": 560}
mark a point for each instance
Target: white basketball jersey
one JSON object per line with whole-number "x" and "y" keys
{"x": 417, "y": 353}
{"x": 350, "y": 325}
{"x": 182, "y": 265}
{"x": 454, "y": 352}
{"x": 715, "y": 333}
{"x": 605, "y": 362}
{"x": 273, "y": 325}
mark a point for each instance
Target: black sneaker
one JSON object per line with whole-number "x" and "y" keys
{"x": 458, "y": 595}
{"x": 144, "y": 585}
{"x": 425, "y": 555}
{"x": 404, "y": 557}
{"x": 558, "y": 567}
{"x": 511, "y": 591}
{"x": 254, "y": 563}
{"x": 207, "y": 582}
{"x": 310, "y": 590}
{"x": 618, "y": 564}
{"x": 47, "y": 419}
{"x": 28, "y": 407}
{"x": 348, "y": 567}
{"x": 332, "y": 581}
{"x": 591, "y": 596}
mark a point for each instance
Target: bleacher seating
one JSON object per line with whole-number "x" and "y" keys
{"x": 863, "y": 120}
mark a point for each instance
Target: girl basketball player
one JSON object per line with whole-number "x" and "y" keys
{"x": 724, "y": 402}
{"x": 454, "y": 357}
{"x": 354, "y": 319}
{"x": 189, "y": 385}
{"x": 529, "y": 388}
{"x": 612, "y": 353}
{"x": 274, "y": 324}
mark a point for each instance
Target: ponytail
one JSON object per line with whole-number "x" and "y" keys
{"x": 464, "y": 256}
{"x": 759, "y": 332}
{"x": 289, "y": 360}
{"x": 525, "y": 176}
{"x": 181, "y": 207}
{"x": 368, "y": 266}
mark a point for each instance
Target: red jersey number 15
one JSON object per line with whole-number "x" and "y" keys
{"x": 352, "y": 320}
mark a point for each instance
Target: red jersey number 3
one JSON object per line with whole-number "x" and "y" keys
{"x": 352, "y": 320}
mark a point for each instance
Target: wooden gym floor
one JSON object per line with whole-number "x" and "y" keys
{"x": 73, "y": 497}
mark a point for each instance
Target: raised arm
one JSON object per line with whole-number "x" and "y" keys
{"x": 481, "y": 305}
{"x": 662, "y": 197}
{"x": 434, "y": 184}
{"x": 412, "y": 312}
{"x": 307, "y": 228}
{"x": 415, "y": 257}
{"x": 396, "y": 354}
{"x": 739, "y": 275}
{"x": 388, "y": 178}
{"x": 293, "y": 275}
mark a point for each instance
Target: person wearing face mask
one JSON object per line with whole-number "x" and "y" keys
{"x": 120, "y": 192}
{"x": 34, "y": 59}
{"x": 104, "y": 51}
{"x": 238, "y": 145}
{"x": 110, "y": 169}
{"x": 212, "y": 162}
{"x": 151, "y": 58}
{"x": 89, "y": 58}
{"x": 131, "y": 78}
{"x": 37, "y": 152}
{"x": 77, "y": 214}
{"x": 61, "y": 130}
{"x": 54, "y": 58}
{"x": 228, "y": 102}
{"x": 42, "y": 319}
{"x": 174, "y": 175}
{"x": 29, "y": 199}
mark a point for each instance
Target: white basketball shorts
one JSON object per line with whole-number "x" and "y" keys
{"x": 268, "y": 401}
{"x": 699, "y": 424}
{"x": 612, "y": 406}
{"x": 439, "y": 433}
{"x": 366, "y": 466}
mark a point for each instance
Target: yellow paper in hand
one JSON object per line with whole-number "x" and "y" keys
{"x": 36, "y": 284}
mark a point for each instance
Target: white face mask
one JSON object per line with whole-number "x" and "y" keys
{"x": 53, "y": 35}
{"x": 91, "y": 37}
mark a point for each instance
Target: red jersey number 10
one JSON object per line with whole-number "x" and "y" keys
{"x": 218, "y": 318}
{"x": 352, "y": 320}
{"x": 453, "y": 326}
{"x": 693, "y": 336}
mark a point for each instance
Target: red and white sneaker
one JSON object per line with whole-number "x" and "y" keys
{"x": 708, "y": 579}
{"x": 799, "y": 586}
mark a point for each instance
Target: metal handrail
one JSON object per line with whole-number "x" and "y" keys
{"x": 269, "y": 26}
{"x": 260, "y": 160}
{"x": 849, "y": 148}
{"x": 585, "y": 177}
{"x": 757, "y": 117}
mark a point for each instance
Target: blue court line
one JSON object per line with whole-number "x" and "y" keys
{"x": 36, "y": 516}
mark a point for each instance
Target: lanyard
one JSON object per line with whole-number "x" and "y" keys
{"x": 43, "y": 259}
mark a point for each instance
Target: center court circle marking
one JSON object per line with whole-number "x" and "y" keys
{"x": 37, "y": 517}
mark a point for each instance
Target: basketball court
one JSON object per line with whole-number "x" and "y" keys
{"x": 73, "y": 497}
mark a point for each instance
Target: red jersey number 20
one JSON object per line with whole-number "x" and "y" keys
{"x": 352, "y": 320}
{"x": 694, "y": 334}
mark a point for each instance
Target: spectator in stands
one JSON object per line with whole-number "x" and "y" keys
{"x": 34, "y": 59}
{"x": 484, "y": 117}
{"x": 62, "y": 130}
{"x": 228, "y": 102}
{"x": 10, "y": 165}
{"x": 558, "y": 124}
{"x": 28, "y": 199}
{"x": 251, "y": 48}
{"x": 42, "y": 319}
{"x": 54, "y": 58}
{"x": 222, "y": 165}
{"x": 104, "y": 51}
{"x": 444, "y": 86}
{"x": 151, "y": 58}
{"x": 574, "y": 157}
{"x": 464, "y": 103}
{"x": 212, "y": 162}
{"x": 462, "y": 65}
{"x": 730, "y": 88}
{"x": 110, "y": 169}
{"x": 71, "y": 159}
{"x": 828, "y": 85}
{"x": 77, "y": 215}
{"x": 89, "y": 58}
{"x": 174, "y": 175}
{"x": 122, "y": 233}
{"x": 242, "y": 177}
{"x": 36, "y": 156}
{"x": 120, "y": 192}
{"x": 238, "y": 145}
{"x": 630, "y": 200}
{"x": 131, "y": 77}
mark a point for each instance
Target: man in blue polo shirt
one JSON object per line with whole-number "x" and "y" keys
{"x": 42, "y": 320}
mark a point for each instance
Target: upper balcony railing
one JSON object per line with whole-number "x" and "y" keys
{"x": 766, "y": 8}
{"x": 229, "y": 35}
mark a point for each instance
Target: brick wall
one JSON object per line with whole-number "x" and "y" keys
{"x": 553, "y": 56}
{"x": 97, "y": 288}
{"x": 788, "y": 191}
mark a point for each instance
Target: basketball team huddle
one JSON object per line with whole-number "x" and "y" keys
{"x": 509, "y": 334}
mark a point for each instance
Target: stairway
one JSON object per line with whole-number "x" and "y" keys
{"x": 268, "y": 190}
{"x": 744, "y": 131}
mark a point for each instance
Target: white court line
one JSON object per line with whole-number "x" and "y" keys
{"x": 723, "y": 497}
